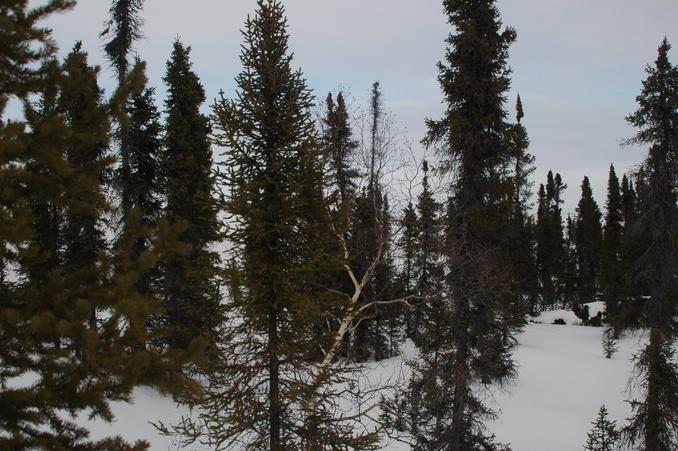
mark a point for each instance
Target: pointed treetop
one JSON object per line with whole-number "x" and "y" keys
{"x": 519, "y": 109}
{"x": 124, "y": 27}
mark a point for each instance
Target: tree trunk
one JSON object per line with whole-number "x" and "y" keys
{"x": 274, "y": 384}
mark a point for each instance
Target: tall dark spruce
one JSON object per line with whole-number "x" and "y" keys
{"x": 340, "y": 146}
{"x": 122, "y": 30}
{"x": 82, "y": 104}
{"x": 612, "y": 280}
{"x": 654, "y": 424}
{"x": 550, "y": 240}
{"x": 371, "y": 245}
{"x": 407, "y": 243}
{"x": 52, "y": 205}
{"x": 190, "y": 287}
{"x": 471, "y": 334}
{"x": 521, "y": 242}
{"x": 588, "y": 239}
{"x": 267, "y": 388}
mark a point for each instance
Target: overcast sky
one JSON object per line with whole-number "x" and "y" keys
{"x": 577, "y": 64}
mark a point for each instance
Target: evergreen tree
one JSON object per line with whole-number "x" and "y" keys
{"x": 371, "y": 241}
{"x": 604, "y": 435}
{"x": 190, "y": 289}
{"x": 81, "y": 103}
{"x": 52, "y": 162}
{"x": 570, "y": 274}
{"x": 588, "y": 239}
{"x": 611, "y": 270}
{"x": 23, "y": 44}
{"x": 428, "y": 258}
{"x": 550, "y": 240}
{"x": 266, "y": 389}
{"x": 610, "y": 345}
{"x": 339, "y": 150}
{"x": 471, "y": 334}
{"x": 340, "y": 147}
{"x": 408, "y": 245}
{"x": 145, "y": 148}
{"x": 521, "y": 240}
{"x": 633, "y": 243}
{"x": 123, "y": 29}
{"x": 654, "y": 425}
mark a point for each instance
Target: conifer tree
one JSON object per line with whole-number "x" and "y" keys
{"x": 123, "y": 29}
{"x": 190, "y": 290}
{"x": 371, "y": 241}
{"x": 82, "y": 104}
{"x": 266, "y": 388}
{"x": 611, "y": 270}
{"x": 604, "y": 435}
{"x": 654, "y": 425}
{"x": 470, "y": 335}
{"x": 569, "y": 274}
{"x": 520, "y": 242}
{"x": 340, "y": 147}
{"x": 588, "y": 239}
{"x": 24, "y": 45}
{"x": 408, "y": 245}
{"x": 428, "y": 257}
{"x": 52, "y": 162}
{"x": 610, "y": 345}
{"x": 550, "y": 240}
{"x": 145, "y": 148}
{"x": 632, "y": 248}
{"x": 388, "y": 322}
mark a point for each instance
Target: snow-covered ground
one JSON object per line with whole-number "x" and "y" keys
{"x": 563, "y": 380}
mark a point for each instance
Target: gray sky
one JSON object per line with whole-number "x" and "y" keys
{"x": 578, "y": 64}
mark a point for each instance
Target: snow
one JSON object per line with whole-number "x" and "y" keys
{"x": 563, "y": 380}
{"x": 549, "y": 316}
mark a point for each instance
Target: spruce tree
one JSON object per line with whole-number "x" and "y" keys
{"x": 54, "y": 363}
{"x": 266, "y": 388}
{"x": 145, "y": 148}
{"x": 82, "y": 104}
{"x": 654, "y": 425}
{"x": 123, "y": 29}
{"x": 371, "y": 242}
{"x": 610, "y": 346}
{"x": 24, "y": 45}
{"x": 569, "y": 274}
{"x": 340, "y": 147}
{"x": 588, "y": 239}
{"x": 408, "y": 246}
{"x": 611, "y": 270}
{"x": 428, "y": 258}
{"x": 470, "y": 335}
{"x": 550, "y": 240}
{"x": 521, "y": 240}
{"x": 632, "y": 247}
{"x": 190, "y": 288}
{"x": 604, "y": 435}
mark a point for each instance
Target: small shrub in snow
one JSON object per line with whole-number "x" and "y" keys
{"x": 609, "y": 343}
{"x": 560, "y": 322}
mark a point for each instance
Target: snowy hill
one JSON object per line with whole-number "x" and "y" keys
{"x": 563, "y": 380}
